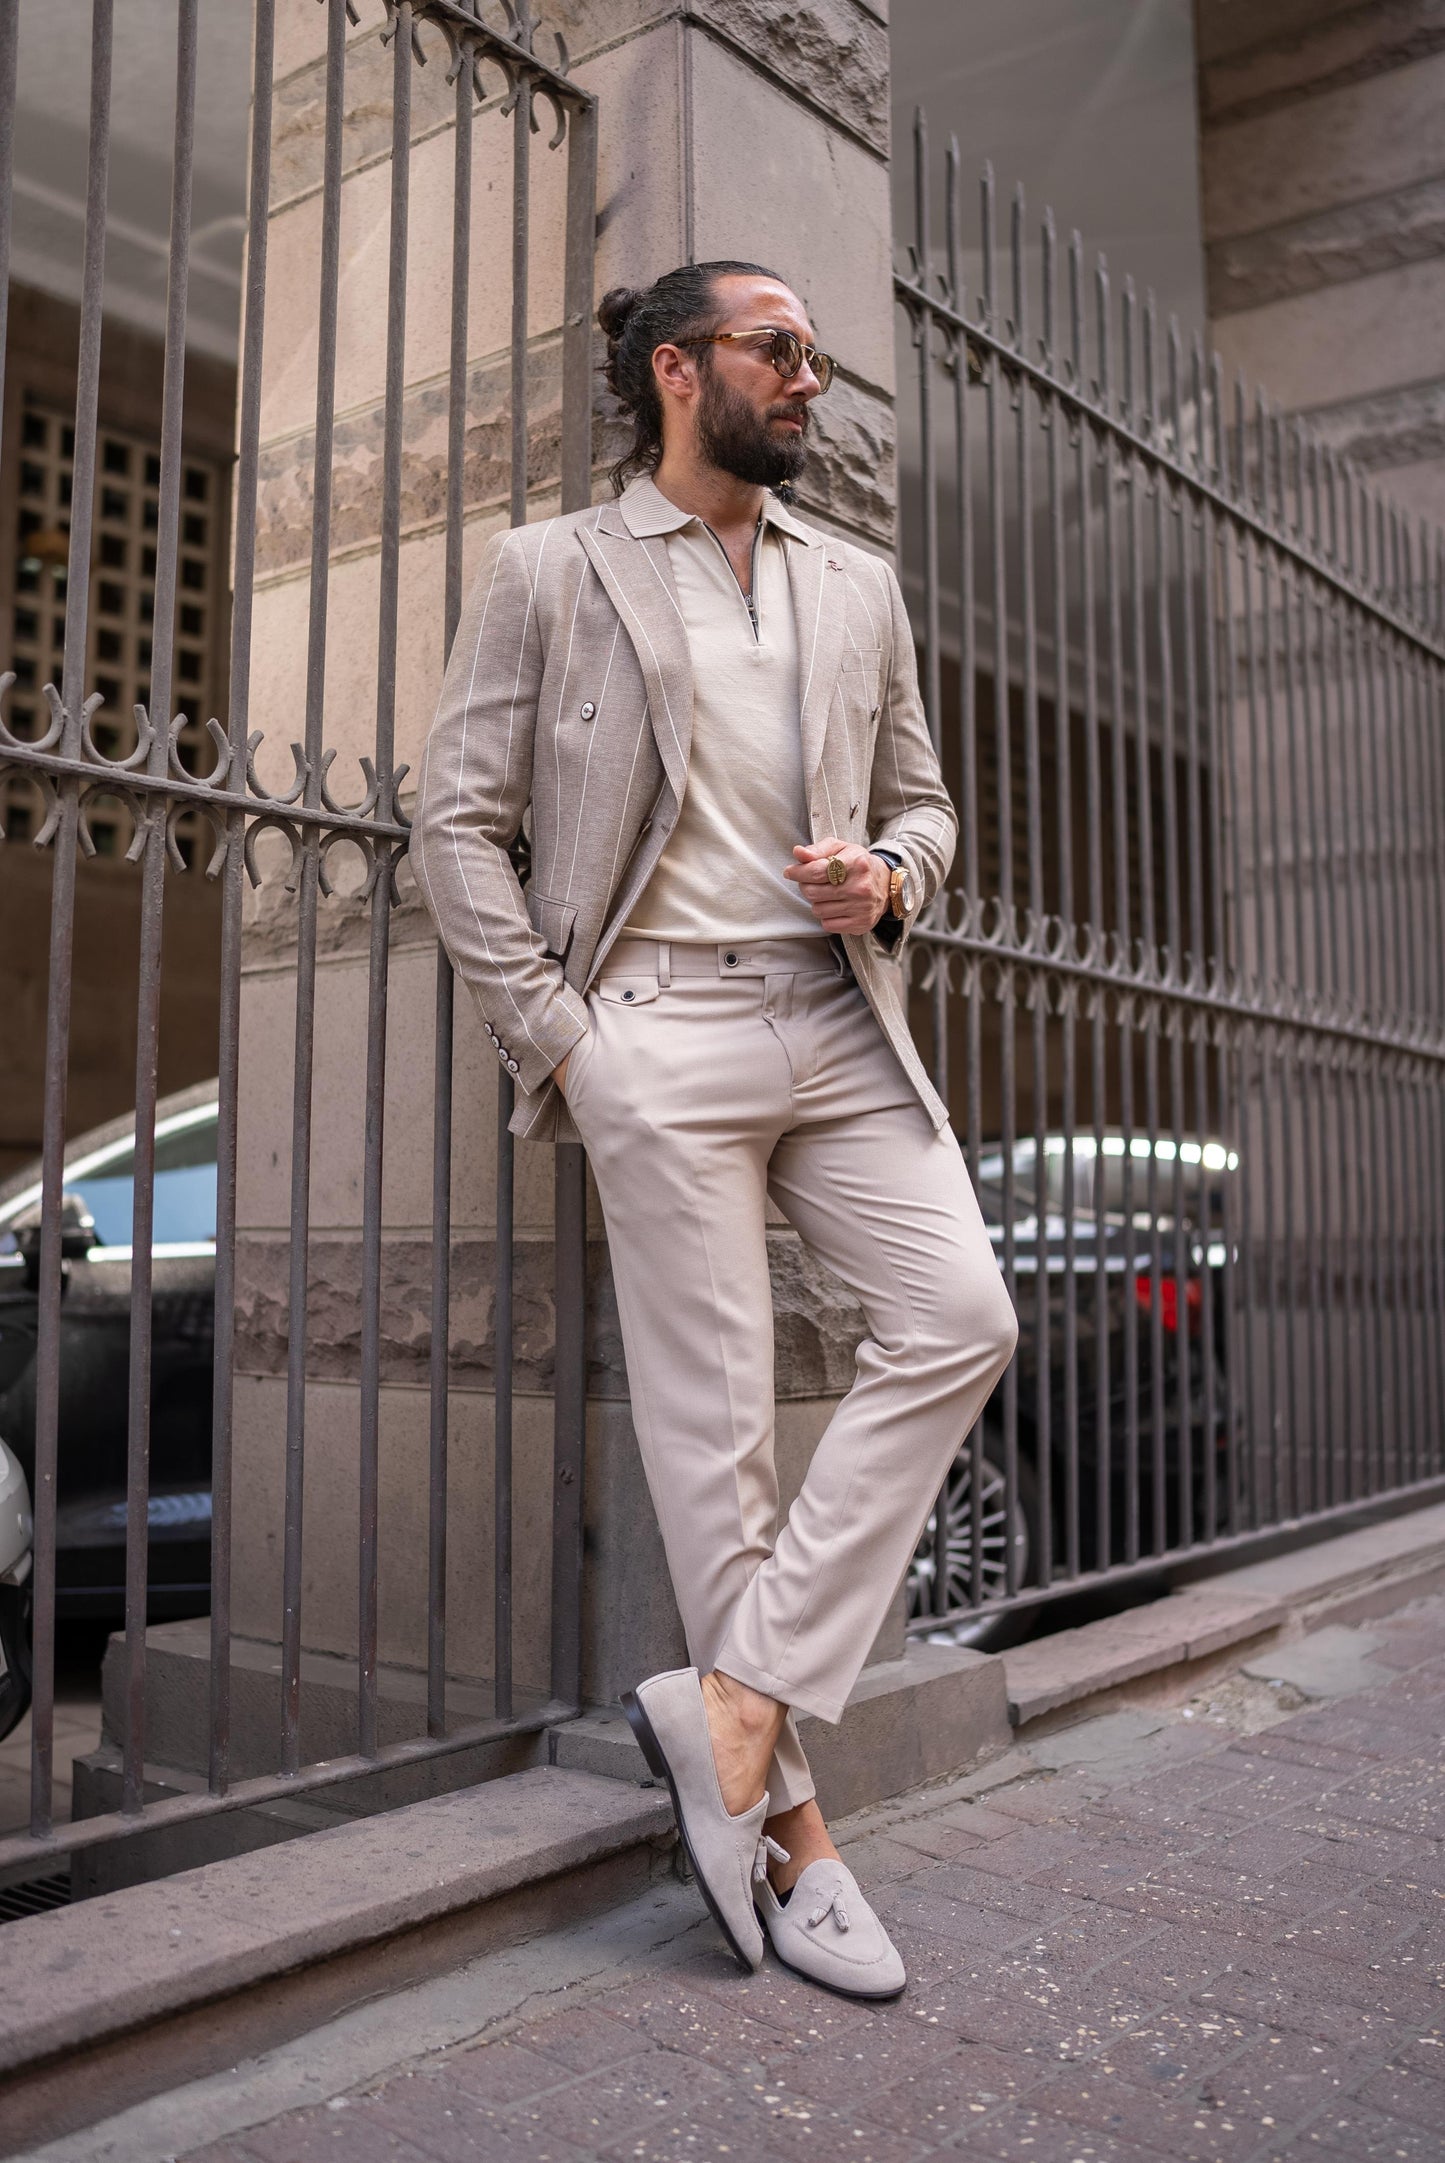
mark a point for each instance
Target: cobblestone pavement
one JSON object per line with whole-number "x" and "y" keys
{"x": 1214, "y": 1934}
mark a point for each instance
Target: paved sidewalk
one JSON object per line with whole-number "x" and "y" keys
{"x": 1214, "y": 1934}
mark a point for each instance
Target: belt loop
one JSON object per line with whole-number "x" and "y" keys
{"x": 664, "y": 961}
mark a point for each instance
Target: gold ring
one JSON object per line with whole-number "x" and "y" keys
{"x": 837, "y": 871}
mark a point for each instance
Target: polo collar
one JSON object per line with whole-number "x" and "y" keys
{"x": 647, "y": 511}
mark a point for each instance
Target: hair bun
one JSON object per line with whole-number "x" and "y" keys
{"x": 615, "y": 307}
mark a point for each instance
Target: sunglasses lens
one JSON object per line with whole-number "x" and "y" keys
{"x": 787, "y": 354}
{"x": 822, "y": 367}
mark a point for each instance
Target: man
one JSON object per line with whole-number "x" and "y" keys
{"x": 736, "y": 816}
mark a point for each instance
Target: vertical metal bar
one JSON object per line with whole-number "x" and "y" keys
{"x": 1377, "y": 988}
{"x": 1272, "y": 968}
{"x": 521, "y": 219}
{"x": 577, "y": 308}
{"x": 368, "y": 1482}
{"x": 62, "y": 925}
{"x": 1153, "y": 482}
{"x": 238, "y": 718}
{"x": 1119, "y": 814}
{"x": 153, "y": 872}
{"x": 969, "y": 822}
{"x": 1064, "y": 807}
{"x": 1195, "y": 586}
{"x": 440, "y": 1360}
{"x": 928, "y": 477}
{"x": 1298, "y": 1133}
{"x": 994, "y": 385}
{"x": 1227, "y": 939}
{"x": 1221, "y": 696}
{"x": 308, "y": 874}
{"x": 506, "y": 1093}
{"x": 1036, "y": 985}
{"x": 569, "y": 1387}
{"x": 503, "y": 1330}
{"x": 1170, "y": 554}
{"x": 9, "y": 45}
{"x": 1086, "y": 461}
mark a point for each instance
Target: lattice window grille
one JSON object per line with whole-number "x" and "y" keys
{"x": 122, "y": 600}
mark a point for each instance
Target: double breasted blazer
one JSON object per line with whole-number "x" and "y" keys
{"x": 569, "y": 691}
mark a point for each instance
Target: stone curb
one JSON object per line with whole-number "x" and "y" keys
{"x": 77, "y": 1975}
{"x": 1365, "y": 1572}
{"x": 1075, "y": 1664}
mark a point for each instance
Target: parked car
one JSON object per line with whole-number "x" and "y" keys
{"x": 95, "y": 1357}
{"x": 1100, "y": 1239}
{"x": 16, "y": 1587}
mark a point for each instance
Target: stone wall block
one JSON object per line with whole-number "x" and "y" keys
{"x": 1324, "y": 54}
{"x": 330, "y": 1523}
{"x": 1358, "y": 141}
{"x": 818, "y": 1323}
{"x": 286, "y": 496}
{"x": 1406, "y": 226}
{"x": 851, "y": 476}
{"x": 841, "y": 249}
{"x": 1347, "y": 341}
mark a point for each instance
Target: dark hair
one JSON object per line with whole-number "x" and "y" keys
{"x": 680, "y": 304}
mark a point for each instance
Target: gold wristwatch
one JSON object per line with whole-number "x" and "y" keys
{"x": 900, "y": 890}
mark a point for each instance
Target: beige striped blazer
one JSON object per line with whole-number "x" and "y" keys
{"x": 568, "y": 702}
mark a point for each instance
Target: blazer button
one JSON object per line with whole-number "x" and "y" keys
{"x": 588, "y": 709}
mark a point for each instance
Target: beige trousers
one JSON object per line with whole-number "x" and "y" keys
{"x": 713, "y": 1077}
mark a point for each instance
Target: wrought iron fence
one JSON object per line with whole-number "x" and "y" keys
{"x": 72, "y": 759}
{"x": 1184, "y": 667}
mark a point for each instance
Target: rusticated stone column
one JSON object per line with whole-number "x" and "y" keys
{"x": 732, "y": 128}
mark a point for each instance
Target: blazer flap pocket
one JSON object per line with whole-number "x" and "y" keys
{"x": 620, "y": 990}
{"x": 553, "y": 920}
{"x": 867, "y": 660}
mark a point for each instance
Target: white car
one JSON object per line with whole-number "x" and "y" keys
{"x": 16, "y": 1534}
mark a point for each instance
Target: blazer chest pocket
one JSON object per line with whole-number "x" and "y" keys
{"x": 860, "y": 674}
{"x": 553, "y": 921}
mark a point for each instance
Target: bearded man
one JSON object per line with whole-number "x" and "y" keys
{"x": 736, "y": 815}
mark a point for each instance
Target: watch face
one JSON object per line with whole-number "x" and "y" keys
{"x": 907, "y": 890}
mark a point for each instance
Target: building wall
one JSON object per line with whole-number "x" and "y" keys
{"x": 1323, "y": 192}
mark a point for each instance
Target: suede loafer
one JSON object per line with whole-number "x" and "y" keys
{"x": 728, "y": 1853}
{"x": 827, "y": 1932}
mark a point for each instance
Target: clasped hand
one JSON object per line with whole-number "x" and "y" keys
{"x": 857, "y": 902}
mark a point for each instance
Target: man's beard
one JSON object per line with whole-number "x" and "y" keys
{"x": 739, "y": 440}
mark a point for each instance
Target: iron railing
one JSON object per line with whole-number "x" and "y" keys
{"x": 1184, "y": 665}
{"x": 506, "y": 76}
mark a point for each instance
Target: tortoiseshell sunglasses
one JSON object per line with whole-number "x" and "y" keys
{"x": 787, "y": 351}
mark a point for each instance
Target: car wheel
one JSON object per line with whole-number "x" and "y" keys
{"x": 999, "y": 1528}
{"x": 15, "y": 1614}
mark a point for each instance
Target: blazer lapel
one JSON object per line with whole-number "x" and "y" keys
{"x": 820, "y": 592}
{"x": 638, "y": 581}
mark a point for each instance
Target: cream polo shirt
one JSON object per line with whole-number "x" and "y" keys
{"x": 720, "y": 874}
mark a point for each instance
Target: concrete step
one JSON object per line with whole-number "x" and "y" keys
{"x": 88, "y": 1991}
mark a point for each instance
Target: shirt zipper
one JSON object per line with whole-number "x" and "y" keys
{"x": 749, "y": 599}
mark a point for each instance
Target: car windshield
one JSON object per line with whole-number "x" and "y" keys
{"x": 1100, "y": 1181}
{"x": 185, "y": 1187}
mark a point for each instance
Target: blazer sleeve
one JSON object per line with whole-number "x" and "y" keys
{"x": 474, "y": 785}
{"x": 909, "y": 808}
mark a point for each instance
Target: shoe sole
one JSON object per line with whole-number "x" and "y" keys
{"x": 658, "y": 1766}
